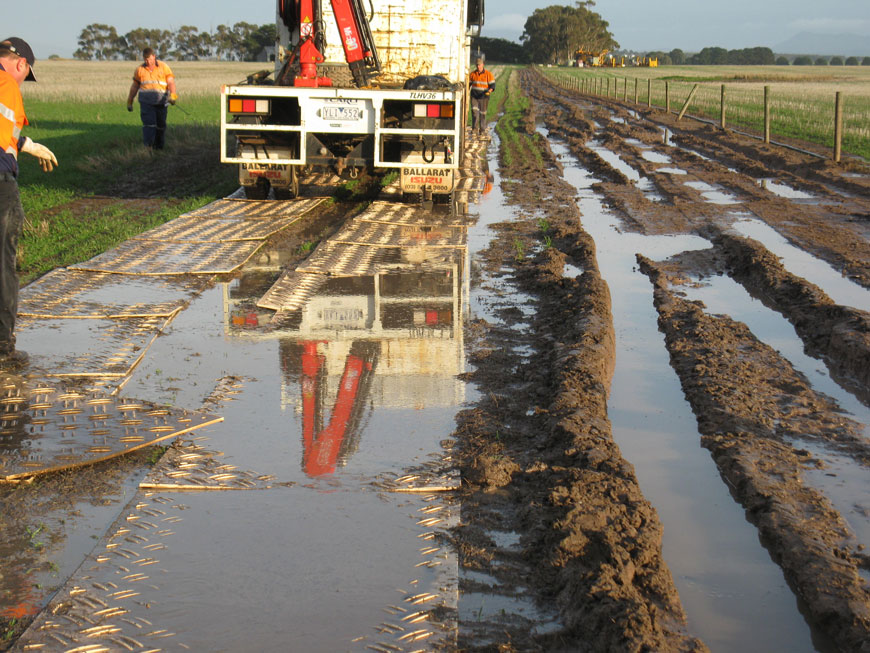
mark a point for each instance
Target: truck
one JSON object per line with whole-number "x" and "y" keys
{"x": 354, "y": 88}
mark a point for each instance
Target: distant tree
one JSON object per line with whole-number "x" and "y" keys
{"x": 159, "y": 40}
{"x": 258, "y": 39}
{"x": 555, "y": 33}
{"x": 852, "y": 61}
{"x": 802, "y": 60}
{"x": 710, "y": 57}
{"x": 821, "y": 61}
{"x": 782, "y": 61}
{"x": 865, "y": 61}
{"x": 226, "y": 44}
{"x": 98, "y": 41}
{"x": 500, "y": 50}
{"x": 53, "y": 57}
{"x": 836, "y": 61}
{"x": 677, "y": 56}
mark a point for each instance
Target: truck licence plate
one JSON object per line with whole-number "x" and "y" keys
{"x": 342, "y": 113}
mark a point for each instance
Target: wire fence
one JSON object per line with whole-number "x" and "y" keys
{"x": 823, "y": 114}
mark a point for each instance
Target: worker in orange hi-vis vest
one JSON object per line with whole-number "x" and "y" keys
{"x": 482, "y": 85}
{"x": 16, "y": 66}
{"x": 155, "y": 84}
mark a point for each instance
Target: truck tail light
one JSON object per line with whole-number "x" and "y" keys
{"x": 249, "y": 106}
{"x": 433, "y": 110}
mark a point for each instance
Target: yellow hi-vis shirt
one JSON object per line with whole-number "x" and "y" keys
{"x": 153, "y": 84}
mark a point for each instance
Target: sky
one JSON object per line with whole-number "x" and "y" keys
{"x": 53, "y": 26}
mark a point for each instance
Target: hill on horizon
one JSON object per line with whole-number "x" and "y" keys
{"x": 846, "y": 45}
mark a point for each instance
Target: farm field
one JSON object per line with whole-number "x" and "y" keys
{"x": 613, "y": 396}
{"x": 801, "y": 97}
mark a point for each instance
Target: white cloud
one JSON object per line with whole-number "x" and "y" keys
{"x": 831, "y": 26}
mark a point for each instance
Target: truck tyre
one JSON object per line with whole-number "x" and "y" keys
{"x": 258, "y": 191}
{"x": 290, "y": 192}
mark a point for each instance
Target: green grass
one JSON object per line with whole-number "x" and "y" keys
{"x": 802, "y": 98}
{"x": 518, "y": 145}
{"x": 108, "y": 186}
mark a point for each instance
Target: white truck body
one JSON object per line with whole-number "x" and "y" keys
{"x": 418, "y": 132}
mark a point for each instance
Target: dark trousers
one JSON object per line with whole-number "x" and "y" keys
{"x": 153, "y": 124}
{"x": 11, "y": 219}
{"x": 478, "y": 112}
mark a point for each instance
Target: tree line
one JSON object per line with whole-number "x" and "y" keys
{"x": 241, "y": 42}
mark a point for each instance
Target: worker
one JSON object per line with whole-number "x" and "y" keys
{"x": 482, "y": 85}
{"x": 16, "y": 66}
{"x": 155, "y": 84}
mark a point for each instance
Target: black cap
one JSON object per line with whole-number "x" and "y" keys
{"x": 22, "y": 49}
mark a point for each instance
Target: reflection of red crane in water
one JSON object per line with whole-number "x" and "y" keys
{"x": 323, "y": 446}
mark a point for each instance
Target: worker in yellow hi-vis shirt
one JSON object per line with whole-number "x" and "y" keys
{"x": 155, "y": 84}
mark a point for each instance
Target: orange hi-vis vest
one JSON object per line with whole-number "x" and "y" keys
{"x": 12, "y": 119}
{"x": 153, "y": 84}
{"x": 481, "y": 81}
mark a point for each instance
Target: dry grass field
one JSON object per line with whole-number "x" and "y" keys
{"x": 104, "y": 81}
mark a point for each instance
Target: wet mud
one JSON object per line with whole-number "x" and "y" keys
{"x": 558, "y": 547}
{"x": 537, "y": 451}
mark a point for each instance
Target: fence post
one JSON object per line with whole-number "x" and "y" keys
{"x": 667, "y": 97}
{"x": 767, "y": 114}
{"x": 838, "y": 126}
{"x": 649, "y": 93}
{"x": 636, "y": 80}
{"x": 686, "y": 103}
{"x": 625, "y": 89}
{"x": 608, "y": 87}
{"x": 722, "y": 109}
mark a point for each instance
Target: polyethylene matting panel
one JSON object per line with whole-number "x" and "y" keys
{"x": 79, "y": 294}
{"x": 361, "y": 232}
{"x": 255, "y": 209}
{"x": 470, "y": 184}
{"x": 292, "y": 291}
{"x": 194, "y": 229}
{"x": 104, "y": 348}
{"x": 46, "y": 428}
{"x": 149, "y": 257}
{"x": 404, "y": 214}
{"x": 342, "y": 260}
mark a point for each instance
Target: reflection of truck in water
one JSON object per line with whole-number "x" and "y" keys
{"x": 352, "y": 89}
{"x": 392, "y": 339}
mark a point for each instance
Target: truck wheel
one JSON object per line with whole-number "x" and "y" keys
{"x": 258, "y": 191}
{"x": 291, "y": 191}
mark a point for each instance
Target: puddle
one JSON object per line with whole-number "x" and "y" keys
{"x": 671, "y": 171}
{"x": 839, "y": 288}
{"x": 570, "y": 270}
{"x": 723, "y": 295}
{"x": 649, "y": 190}
{"x": 712, "y": 194}
{"x": 783, "y": 190}
{"x": 735, "y": 597}
{"x": 614, "y": 160}
{"x": 639, "y": 144}
{"x": 656, "y": 157}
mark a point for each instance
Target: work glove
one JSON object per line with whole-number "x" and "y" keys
{"x": 46, "y": 157}
{"x": 129, "y": 106}
{"x": 173, "y": 98}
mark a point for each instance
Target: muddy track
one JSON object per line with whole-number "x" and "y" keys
{"x": 537, "y": 449}
{"x": 537, "y": 452}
